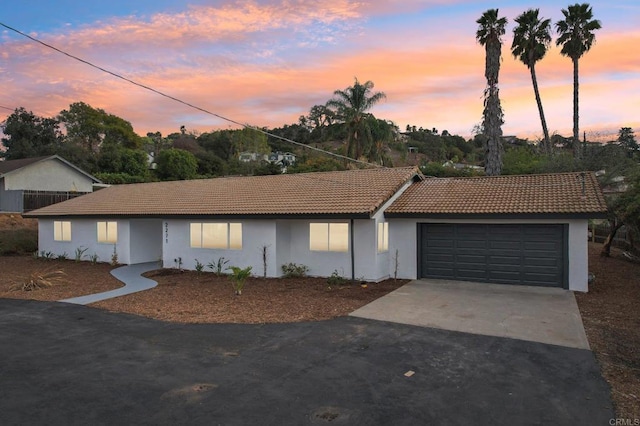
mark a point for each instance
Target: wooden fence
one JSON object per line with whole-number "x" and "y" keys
{"x": 599, "y": 232}
{"x": 37, "y": 199}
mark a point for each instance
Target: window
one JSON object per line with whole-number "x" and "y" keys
{"x": 383, "y": 237}
{"x": 61, "y": 231}
{"x": 329, "y": 237}
{"x": 216, "y": 235}
{"x": 108, "y": 232}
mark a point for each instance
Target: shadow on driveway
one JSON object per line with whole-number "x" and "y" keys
{"x": 70, "y": 364}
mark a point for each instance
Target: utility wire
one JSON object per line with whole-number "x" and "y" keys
{"x": 248, "y": 126}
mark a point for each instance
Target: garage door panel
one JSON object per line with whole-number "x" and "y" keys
{"x": 474, "y": 244}
{"x": 469, "y": 258}
{"x": 512, "y": 254}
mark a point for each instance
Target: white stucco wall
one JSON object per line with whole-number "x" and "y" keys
{"x": 49, "y": 175}
{"x": 403, "y": 236}
{"x": 320, "y": 263}
{"x": 84, "y": 234}
{"x": 255, "y": 234}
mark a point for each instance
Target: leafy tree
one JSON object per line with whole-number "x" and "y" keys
{"x": 91, "y": 127}
{"x": 210, "y": 164}
{"x": 624, "y": 210}
{"x": 176, "y": 164}
{"x": 627, "y": 140}
{"x": 219, "y": 143}
{"x": 250, "y": 140}
{"x": 352, "y": 105}
{"x": 315, "y": 164}
{"x": 576, "y": 36}
{"x": 531, "y": 40}
{"x": 489, "y": 33}
{"x": 27, "y": 135}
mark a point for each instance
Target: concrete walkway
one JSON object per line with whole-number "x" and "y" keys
{"x": 132, "y": 278}
{"x": 537, "y": 314}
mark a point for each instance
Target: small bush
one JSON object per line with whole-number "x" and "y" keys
{"x": 18, "y": 241}
{"x": 62, "y": 256}
{"x": 93, "y": 258}
{"x": 114, "y": 257}
{"x": 292, "y": 270}
{"x": 218, "y": 266}
{"x": 239, "y": 277}
{"x": 199, "y": 266}
{"x": 336, "y": 279}
{"x": 80, "y": 253}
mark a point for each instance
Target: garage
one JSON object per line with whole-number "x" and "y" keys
{"x": 516, "y": 254}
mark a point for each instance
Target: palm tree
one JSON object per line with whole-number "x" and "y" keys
{"x": 575, "y": 35}
{"x": 490, "y": 29}
{"x": 352, "y": 105}
{"x": 531, "y": 40}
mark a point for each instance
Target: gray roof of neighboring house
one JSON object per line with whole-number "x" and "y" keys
{"x": 9, "y": 166}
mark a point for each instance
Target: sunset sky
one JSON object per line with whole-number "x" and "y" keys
{"x": 267, "y": 62}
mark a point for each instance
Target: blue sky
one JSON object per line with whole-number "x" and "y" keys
{"x": 268, "y": 62}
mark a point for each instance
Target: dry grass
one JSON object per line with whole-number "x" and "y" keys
{"x": 40, "y": 280}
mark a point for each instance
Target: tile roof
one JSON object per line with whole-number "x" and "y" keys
{"x": 558, "y": 193}
{"x": 353, "y": 192}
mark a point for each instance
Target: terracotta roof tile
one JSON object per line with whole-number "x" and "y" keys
{"x": 346, "y": 192}
{"x": 559, "y": 193}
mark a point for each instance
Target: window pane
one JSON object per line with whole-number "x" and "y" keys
{"x": 318, "y": 236}
{"x": 338, "y": 236}
{"x": 66, "y": 231}
{"x": 196, "y": 235}
{"x": 102, "y": 232}
{"x": 381, "y": 237}
{"x": 112, "y": 232}
{"x": 235, "y": 236}
{"x": 57, "y": 231}
{"x": 386, "y": 236}
{"x": 214, "y": 235}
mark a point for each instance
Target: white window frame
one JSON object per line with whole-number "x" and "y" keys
{"x": 383, "y": 237}
{"x": 107, "y": 232}
{"x": 331, "y": 236}
{"x": 61, "y": 230}
{"x": 222, "y": 235}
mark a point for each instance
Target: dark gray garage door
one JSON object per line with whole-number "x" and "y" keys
{"x": 503, "y": 254}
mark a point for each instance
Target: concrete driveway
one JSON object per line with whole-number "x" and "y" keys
{"x": 538, "y": 314}
{"x": 65, "y": 364}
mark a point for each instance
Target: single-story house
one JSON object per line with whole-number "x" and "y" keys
{"x": 51, "y": 177}
{"x": 366, "y": 224}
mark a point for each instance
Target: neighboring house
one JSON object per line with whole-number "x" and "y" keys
{"x": 247, "y": 157}
{"x": 36, "y": 182}
{"x": 365, "y": 224}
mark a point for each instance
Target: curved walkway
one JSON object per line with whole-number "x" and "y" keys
{"x": 132, "y": 278}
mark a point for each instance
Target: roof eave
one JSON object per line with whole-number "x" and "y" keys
{"x": 549, "y": 215}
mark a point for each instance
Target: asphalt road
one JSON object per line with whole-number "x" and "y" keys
{"x": 64, "y": 364}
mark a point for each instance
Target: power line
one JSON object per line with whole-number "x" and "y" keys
{"x": 114, "y": 74}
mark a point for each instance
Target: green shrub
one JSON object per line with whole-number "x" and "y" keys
{"x": 239, "y": 277}
{"x": 18, "y": 241}
{"x": 336, "y": 279}
{"x": 199, "y": 266}
{"x": 292, "y": 270}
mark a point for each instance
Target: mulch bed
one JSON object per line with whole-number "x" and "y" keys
{"x": 79, "y": 278}
{"x": 189, "y": 297}
{"x": 611, "y": 317}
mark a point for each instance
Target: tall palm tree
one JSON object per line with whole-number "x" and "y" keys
{"x": 531, "y": 40}
{"x": 576, "y": 36}
{"x": 490, "y": 29}
{"x": 352, "y": 105}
